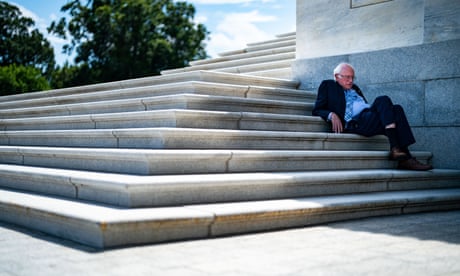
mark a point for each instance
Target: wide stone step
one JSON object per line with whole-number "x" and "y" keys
{"x": 179, "y": 101}
{"x": 282, "y": 38}
{"x": 204, "y": 76}
{"x": 168, "y": 118}
{"x": 104, "y": 226}
{"x": 248, "y": 69}
{"x": 283, "y": 73}
{"x": 190, "y": 138}
{"x": 254, "y": 61}
{"x": 270, "y": 45}
{"x": 244, "y": 55}
{"x": 171, "y": 190}
{"x": 293, "y": 33}
{"x": 290, "y": 38}
{"x": 192, "y": 87}
{"x": 163, "y": 162}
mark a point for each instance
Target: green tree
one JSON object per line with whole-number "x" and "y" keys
{"x": 120, "y": 39}
{"x": 72, "y": 75}
{"x": 22, "y": 45}
{"x": 15, "y": 79}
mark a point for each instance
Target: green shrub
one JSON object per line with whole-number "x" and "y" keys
{"x": 16, "y": 79}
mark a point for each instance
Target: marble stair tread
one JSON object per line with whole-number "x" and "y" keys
{"x": 177, "y": 101}
{"x": 195, "y": 161}
{"x": 271, "y": 44}
{"x": 284, "y": 73}
{"x": 246, "y": 69}
{"x": 280, "y": 42}
{"x": 192, "y": 87}
{"x": 105, "y": 226}
{"x": 284, "y": 38}
{"x": 192, "y": 138}
{"x": 181, "y": 118}
{"x": 204, "y": 76}
{"x": 292, "y": 33}
{"x": 134, "y": 191}
{"x": 238, "y": 63}
{"x": 286, "y": 49}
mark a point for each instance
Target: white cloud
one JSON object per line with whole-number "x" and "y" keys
{"x": 235, "y": 30}
{"x": 39, "y": 22}
{"x": 201, "y": 19}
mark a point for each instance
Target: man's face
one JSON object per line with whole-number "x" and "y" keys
{"x": 345, "y": 77}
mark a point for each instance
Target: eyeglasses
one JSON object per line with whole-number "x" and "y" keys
{"x": 346, "y": 77}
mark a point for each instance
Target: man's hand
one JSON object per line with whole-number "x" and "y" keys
{"x": 337, "y": 126}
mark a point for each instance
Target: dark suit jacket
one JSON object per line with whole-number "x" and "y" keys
{"x": 331, "y": 98}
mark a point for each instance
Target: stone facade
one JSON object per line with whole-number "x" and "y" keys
{"x": 413, "y": 56}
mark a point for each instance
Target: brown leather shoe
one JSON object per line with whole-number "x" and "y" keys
{"x": 397, "y": 154}
{"x": 414, "y": 165}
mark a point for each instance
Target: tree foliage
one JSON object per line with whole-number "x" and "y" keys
{"x": 15, "y": 79}
{"x": 120, "y": 39}
{"x": 22, "y": 45}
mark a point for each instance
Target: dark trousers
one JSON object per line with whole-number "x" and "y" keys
{"x": 383, "y": 112}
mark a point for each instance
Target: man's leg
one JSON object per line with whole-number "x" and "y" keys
{"x": 405, "y": 135}
{"x": 397, "y": 128}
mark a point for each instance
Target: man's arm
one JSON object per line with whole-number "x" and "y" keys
{"x": 321, "y": 107}
{"x": 321, "y": 103}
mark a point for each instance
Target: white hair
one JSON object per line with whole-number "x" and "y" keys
{"x": 340, "y": 67}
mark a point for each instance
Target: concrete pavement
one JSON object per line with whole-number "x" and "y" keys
{"x": 416, "y": 244}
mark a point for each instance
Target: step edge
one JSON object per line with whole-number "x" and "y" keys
{"x": 108, "y": 229}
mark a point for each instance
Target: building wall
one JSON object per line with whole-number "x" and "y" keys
{"x": 421, "y": 71}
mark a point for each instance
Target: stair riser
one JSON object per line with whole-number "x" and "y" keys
{"x": 247, "y": 69}
{"x": 167, "y": 118}
{"x": 203, "y": 221}
{"x": 199, "y": 88}
{"x": 152, "y": 162}
{"x": 290, "y": 38}
{"x": 105, "y": 233}
{"x": 270, "y": 45}
{"x": 135, "y": 192}
{"x": 238, "y": 69}
{"x": 288, "y": 49}
{"x": 283, "y": 73}
{"x": 243, "y": 62}
{"x": 240, "y": 224}
{"x": 287, "y": 42}
{"x": 194, "y": 102}
{"x": 206, "y": 76}
{"x": 191, "y": 139}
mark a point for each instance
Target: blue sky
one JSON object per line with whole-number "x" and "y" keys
{"x": 232, "y": 23}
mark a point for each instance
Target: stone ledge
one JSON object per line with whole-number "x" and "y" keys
{"x": 148, "y": 191}
{"x": 246, "y": 69}
{"x": 200, "y": 75}
{"x": 164, "y": 162}
{"x": 170, "y": 118}
{"x": 237, "y": 62}
{"x": 236, "y": 68}
{"x": 285, "y": 73}
{"x": 177, "y": 101}
{"x": 280, "y": 38}
{"x": 286, "y": 49}
{"x": 191, "y": 138}
{"x": 104, "y": 227}
{"x": 191, "y": 87}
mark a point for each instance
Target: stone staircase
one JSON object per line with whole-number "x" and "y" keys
{"x": 198, "y": 152}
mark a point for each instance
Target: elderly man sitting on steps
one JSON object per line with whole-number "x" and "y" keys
{"x": 343, "y": 104}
